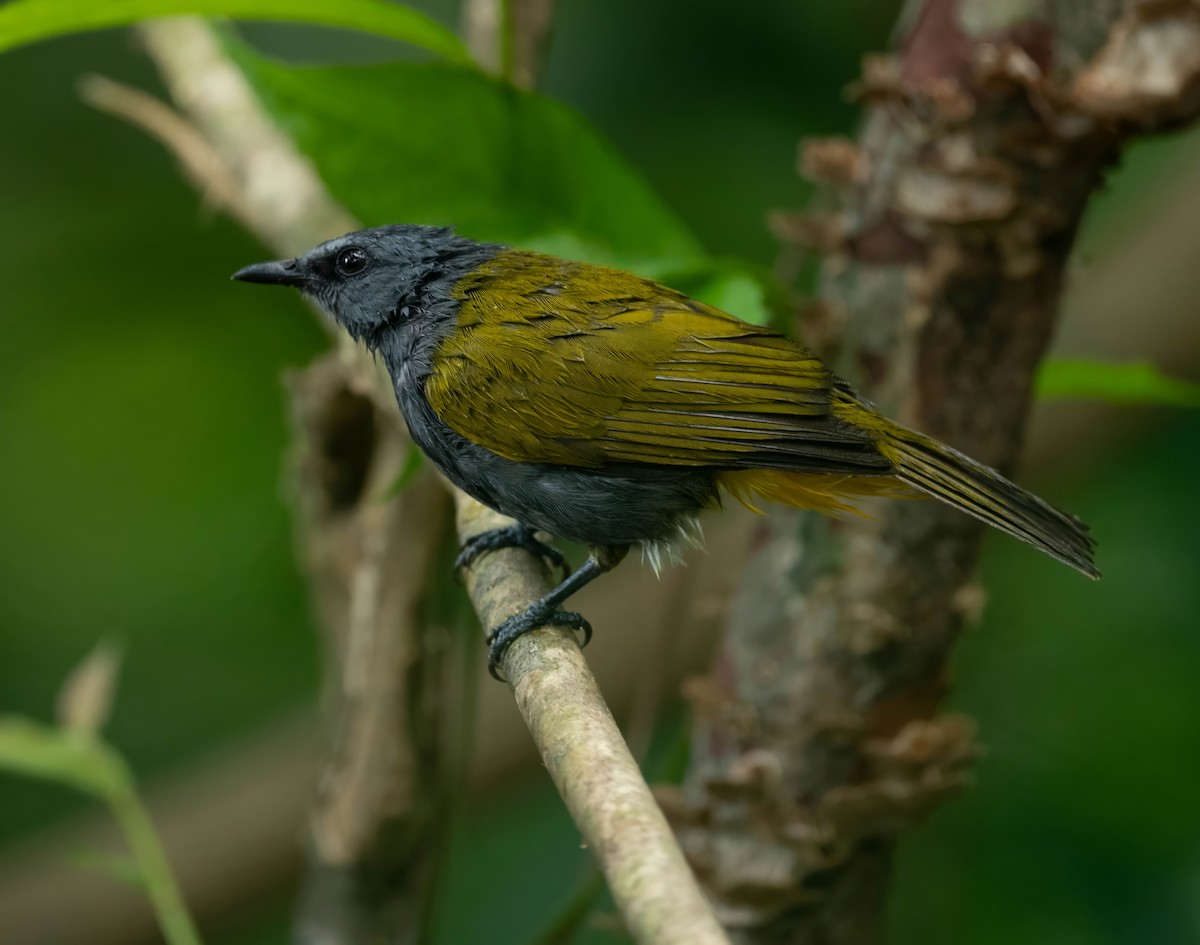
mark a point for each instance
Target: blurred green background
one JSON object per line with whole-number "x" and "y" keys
{"x": 143, "y": 433}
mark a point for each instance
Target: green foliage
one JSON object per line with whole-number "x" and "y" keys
{"x": 1133, "y": 382}
{"x": 444, "y": 144}
{"x": 83, "y": 761}
{"x": 27, "y": 21}
{"x": 39, "y": 751}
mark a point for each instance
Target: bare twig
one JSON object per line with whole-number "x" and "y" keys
{"x": 200, "y": 162}
{"x": 585, "y": 754}
{"x": 279, "y": 194}
{"x": 985, "y": 138}
{"x": 509, "y": 37}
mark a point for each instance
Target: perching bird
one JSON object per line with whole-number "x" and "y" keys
{"x": 609, "y": 410}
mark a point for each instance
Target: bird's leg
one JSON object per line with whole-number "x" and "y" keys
{"x": 510, "y": 536}
{"x": 545, "y": 611}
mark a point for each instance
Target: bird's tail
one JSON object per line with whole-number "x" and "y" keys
{"x": 958, "y": 480}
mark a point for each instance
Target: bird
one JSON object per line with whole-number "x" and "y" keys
{"x": 606, "y": 409}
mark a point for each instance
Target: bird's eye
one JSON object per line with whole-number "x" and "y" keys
{"x": 352, "y": 261}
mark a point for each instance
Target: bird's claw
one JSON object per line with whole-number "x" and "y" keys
{"x": 511, "y": 536}
{"x": 500, "y": 639}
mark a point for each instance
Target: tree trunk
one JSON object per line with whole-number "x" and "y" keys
{"x": 946, "y": 230}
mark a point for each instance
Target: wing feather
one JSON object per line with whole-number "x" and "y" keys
{"x": 577, "y": 365}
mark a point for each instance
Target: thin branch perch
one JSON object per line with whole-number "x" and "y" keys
{"x": 585, "y": 753}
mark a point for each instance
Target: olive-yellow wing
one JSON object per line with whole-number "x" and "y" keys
{"x": 579, "y": 365}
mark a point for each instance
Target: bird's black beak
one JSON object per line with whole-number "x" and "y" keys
{"x": 276, "y": 272}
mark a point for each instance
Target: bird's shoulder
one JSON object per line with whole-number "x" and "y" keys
{"x": 516, "y": 283}
{"x": 561, "y": 302}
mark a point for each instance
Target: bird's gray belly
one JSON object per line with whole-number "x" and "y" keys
{"x": 587, "y": 506}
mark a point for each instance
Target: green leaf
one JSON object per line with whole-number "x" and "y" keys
{"x": 1134, "y": 382}
{"x": 26, "y": 21}
{"x": 442, "y": 144}
{"x": 87, "y": 763}
{"x": 438, "y": 143}
{"x": 36, "y": 750}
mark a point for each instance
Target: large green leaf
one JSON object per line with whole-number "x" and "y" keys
{"x": 438, "y": 143}
{"x": 26, "y": 21}
{"x": 1120, "y": 383}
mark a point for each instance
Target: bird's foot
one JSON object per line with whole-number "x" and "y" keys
{"x": 511, "y": 536}
{"x": 531, "y": 618}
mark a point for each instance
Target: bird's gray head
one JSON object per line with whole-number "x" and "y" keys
{"x": 379, "y": 282}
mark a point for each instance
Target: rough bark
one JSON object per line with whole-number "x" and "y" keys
{"x": 947, "y": 228}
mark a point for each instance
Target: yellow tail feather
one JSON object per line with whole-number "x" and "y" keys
{"x": 830, "y": 493}
{"x": 923, "y": 465}
{"x": 982, "y": 492}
